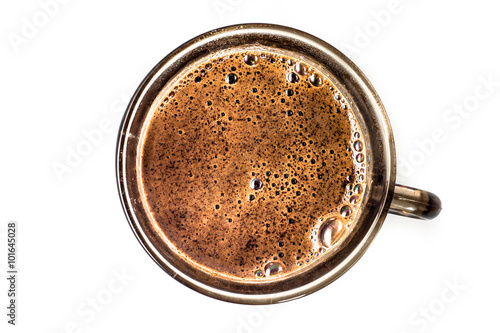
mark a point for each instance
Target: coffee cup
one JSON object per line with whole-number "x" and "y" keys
{"x": 256, "y": 164}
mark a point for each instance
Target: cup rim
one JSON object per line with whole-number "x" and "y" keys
{"x": 351, "y": 76}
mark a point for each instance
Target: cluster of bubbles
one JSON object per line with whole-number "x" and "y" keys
{"x": 332, "y": 229}
{"x": 358, "y": 148}
{"x": 300, "y": 70}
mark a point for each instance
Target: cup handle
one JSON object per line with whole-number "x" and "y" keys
{"x": 415, "y": 203}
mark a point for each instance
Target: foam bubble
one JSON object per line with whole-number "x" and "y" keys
{"x": 273, "y": 268}
{"x": 316, "y": 80}
{"x": 250, "y": 60}
{"x": 300, "y": 69}
{"x": 231, "y": 78}
{"x": 256, "y": 184}
{"x": 345, "y": 211}
{"x": 292, "y": 77}
{"x": 358, "y": 145}
{"x": 330, "y": 232}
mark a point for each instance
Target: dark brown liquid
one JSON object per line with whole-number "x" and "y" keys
{"x": 243, "y": 162}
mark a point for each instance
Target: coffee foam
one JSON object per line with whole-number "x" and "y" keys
{"x": 252, "y": 164}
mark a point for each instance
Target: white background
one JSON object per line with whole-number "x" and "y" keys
{"x": 80, "y": 66}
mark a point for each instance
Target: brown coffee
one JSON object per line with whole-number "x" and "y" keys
{"x": 252, "y": 164}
